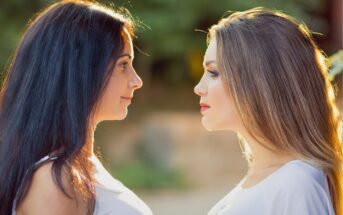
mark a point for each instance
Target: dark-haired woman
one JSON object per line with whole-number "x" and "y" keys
{"x": 265, "y": 78}
{"x": 71, "y": 70}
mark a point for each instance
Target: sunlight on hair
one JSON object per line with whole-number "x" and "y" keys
{"x": 106, "y": 10}
{"x": 245, "y": 148}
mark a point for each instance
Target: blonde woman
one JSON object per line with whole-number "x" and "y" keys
{"x": 265, "y": 79}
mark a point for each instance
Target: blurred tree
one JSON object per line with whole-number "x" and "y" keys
{"x": 335, "y": 63}
{"x": 167, "y": 32}
{"x": 172, "y": 43}
{"x": 174, "y": 48}
{"x": 168, "y": 35}
{"x": 14, "y": 15}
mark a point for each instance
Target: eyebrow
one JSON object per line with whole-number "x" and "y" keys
{"x": 125, "y": 55}
{"x": 209, "y": 62}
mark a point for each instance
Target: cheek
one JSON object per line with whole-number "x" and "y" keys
{"x": 112, "y": 92}
{"x": 110, "y": 105}
{"x": 229, "y": 111}
{"x": 223, "y": 115}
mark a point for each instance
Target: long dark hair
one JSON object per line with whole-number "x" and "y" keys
{"x": 52, "y": 87}
{"x": 279, "y": 83}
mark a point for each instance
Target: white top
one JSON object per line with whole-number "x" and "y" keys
{"x": 296, "y": 188}
{"x": 113, "y": 198}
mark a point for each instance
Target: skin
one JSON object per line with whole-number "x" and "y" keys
{"x": 44, "y": 197}
{"x": 120, "y": 89}
{"x": 219, "y": 113}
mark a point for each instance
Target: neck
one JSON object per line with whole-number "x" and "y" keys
{"x": 263, "y": 157}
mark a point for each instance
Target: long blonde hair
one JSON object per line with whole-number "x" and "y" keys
{"x": 278, "y": 79}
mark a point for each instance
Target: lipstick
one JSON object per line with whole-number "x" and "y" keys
{"x": 203, "y": 107}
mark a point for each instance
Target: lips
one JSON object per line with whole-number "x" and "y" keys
{"x": 203, "y": 107}
{"x": 126, "y": 98}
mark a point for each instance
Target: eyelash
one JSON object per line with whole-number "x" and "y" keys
{"x": 214, "y": 73}
{"x": 124, "y": 65}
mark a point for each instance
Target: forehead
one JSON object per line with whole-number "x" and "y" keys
{"x": 211, "y": 51}
{"x": 128, "y": 42}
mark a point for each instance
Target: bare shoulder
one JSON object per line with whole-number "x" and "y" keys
{"x": 45, "y": 197}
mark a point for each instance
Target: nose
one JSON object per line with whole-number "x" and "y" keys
{"x": 200, "y": 89}
{"x": 135, "y": 82}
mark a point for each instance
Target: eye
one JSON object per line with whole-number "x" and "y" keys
{"x": 123, "y": 65}
{"x": 213, "y": 73}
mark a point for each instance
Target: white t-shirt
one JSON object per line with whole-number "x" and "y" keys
{"x": 113, "y": 198}
{"x": 296, "y": 188}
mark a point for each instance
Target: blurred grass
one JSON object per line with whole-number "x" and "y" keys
{"x": 140, "y": 175}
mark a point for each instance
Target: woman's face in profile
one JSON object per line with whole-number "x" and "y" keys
{"x": 121, "y": 86}
{"x": 217, "y": 108}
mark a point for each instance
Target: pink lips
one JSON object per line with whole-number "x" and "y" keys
{"x": 127, "y": 98}
{"x": 203, "y": 107}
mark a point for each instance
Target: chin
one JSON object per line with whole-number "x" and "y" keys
{"x": 207, "y": 125}
{"x": 121, "y": 116}
{"x": 117, "y": 116}
{"x": 215, "y": 126}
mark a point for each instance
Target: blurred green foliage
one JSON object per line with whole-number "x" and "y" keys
{"x": 174, "y": 46}
{"x": 14, "y": 15}
{"x": 167, "y": 33}
{"x": 174, "y": 51}
{"x": 141, "y": 175}
{"x": 336, "y": 64}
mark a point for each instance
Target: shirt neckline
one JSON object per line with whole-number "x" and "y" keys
{"x": 267, "y": 178}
